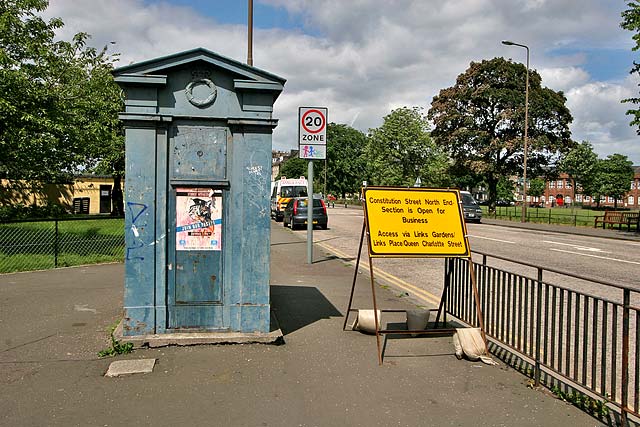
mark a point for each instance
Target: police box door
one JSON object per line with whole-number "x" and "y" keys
{"x": 197, "y": 161}
{"x": 196, "y": 258}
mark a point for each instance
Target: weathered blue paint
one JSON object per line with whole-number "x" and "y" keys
{"x": 197, "y": 119}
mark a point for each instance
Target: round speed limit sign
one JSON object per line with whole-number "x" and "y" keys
{"x": 313, "y": 125}
{"x": 313, "y": 121}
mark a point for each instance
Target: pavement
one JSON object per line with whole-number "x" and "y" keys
{"x": 55, "y": 322}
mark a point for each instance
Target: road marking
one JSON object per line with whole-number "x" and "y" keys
{"x": 396, "y": 281}
{"x": 577, "y": 247}
{"x": 595, "y": 256}
{"x": 495, "y": 240}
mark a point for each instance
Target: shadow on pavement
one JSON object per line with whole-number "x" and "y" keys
{"x": 298, "y": 306}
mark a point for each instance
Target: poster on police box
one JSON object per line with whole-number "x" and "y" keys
{"x": 198, "y": 219}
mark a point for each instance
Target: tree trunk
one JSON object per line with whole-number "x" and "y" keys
{"x": 117, "y": 199}
{"x": 492, "y": 184}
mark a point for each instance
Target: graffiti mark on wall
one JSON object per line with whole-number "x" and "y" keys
{"x": 258, "y": 188}
{"x": 135, "y": 211}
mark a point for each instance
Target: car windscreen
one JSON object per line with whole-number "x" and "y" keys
{"x": 302, "y": 203}
{"x": 467, "y": 199}
{"x": 295, "y": 191}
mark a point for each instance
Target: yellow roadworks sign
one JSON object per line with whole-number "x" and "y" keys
{"x": 415, "y": 222}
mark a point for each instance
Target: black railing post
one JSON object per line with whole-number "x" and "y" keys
{"x": 549, "y": 215}
{"x": 625, "y": 357}
{"x": 55, "y": 245}
{"x": 536, "y": 374}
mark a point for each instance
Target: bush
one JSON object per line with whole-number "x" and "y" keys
{"x": 20, "y": 211}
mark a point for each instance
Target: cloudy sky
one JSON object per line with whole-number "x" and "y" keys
{"x": 363, "y": 58}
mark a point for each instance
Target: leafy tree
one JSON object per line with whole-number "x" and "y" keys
{"x": 58, "y": 100}
{"x": 581, "y": 164}
{"x": 615, "y": 174}
{"x": 505, "y": 189}
{"x": 480, "y": 121}
{"x": 346, "y": 164}
{"x": 293, "y": 167}
{"x": 536, "y": 187}
{"x": 631, "y": 22}
{"x": 401, "y": 150}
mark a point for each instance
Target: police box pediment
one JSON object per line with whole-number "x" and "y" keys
{"x": 154, "y": 71}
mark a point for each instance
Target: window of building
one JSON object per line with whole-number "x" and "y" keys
{"x": 630, "y": 200}
{"x": 568, "y": 183}
{"x": 609, "y": 199}
{"x": 587, "y": 198}
{"x": 552, "y": 184}
{"x": 560, "y": 184}
{"x": 579, "y": 198}
{"x": 633, "y": 185}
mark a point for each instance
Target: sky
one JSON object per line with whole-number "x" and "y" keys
{"x": 363, "y": 58}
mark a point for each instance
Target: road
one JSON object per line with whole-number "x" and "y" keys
{"x": 615, "y": 261}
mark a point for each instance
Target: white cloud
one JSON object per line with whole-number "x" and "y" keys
{"x": 361, "y": 58}
{"x": 599, "y": 117}
{"x": 563, "y": 78}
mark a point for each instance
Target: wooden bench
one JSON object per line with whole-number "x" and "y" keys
{"x": 620, "y": 218}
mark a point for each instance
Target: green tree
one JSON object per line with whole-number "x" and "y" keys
{"x": 401, "y": 150}
{"x": 480, "y": 121}
{"x": 536, "y": 187}
{"x": 505, "y": 189}
{"x": 631, "y": 22}
{"x": 293, "y": 167}
{"x": 346, "y": 163}
{"x": 581, "y": 164}
{"x": 615, "y": 174}
{"x": 58, "y": 100}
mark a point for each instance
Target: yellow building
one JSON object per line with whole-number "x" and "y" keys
{"x": 89, "y": 194}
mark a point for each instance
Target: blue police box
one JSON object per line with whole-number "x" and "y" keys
{"x": 198, "y": 131}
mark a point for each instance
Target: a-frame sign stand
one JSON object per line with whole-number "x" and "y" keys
{"x": 413, "y": 222}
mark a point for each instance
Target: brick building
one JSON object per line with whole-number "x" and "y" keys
{"x": 561, "y": 192}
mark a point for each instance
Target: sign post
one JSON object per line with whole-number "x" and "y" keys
{"x": 312, "y": 145}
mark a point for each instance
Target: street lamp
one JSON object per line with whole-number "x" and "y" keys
{"x": 526, "y": 126}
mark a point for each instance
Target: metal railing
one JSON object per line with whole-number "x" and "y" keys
{"x": 569, "y": 337}
{"x": 52, "y": 243}
{"x": 544, "y": 216}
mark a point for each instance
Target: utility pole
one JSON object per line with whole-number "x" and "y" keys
{"x": 250, "y": 35}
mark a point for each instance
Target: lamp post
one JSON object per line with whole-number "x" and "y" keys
{"x": 526, "y": 127}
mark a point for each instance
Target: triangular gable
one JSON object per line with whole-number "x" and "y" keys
{"x": 158, "y": 65}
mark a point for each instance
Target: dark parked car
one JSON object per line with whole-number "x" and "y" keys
{"x": 295, "y": 213}
{"x": 472, "y": 212}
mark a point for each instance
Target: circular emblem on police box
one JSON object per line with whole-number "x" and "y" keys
{"x": 201, "y": 102}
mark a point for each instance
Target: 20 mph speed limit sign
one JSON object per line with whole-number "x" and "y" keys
{"x": 312, "y": 133}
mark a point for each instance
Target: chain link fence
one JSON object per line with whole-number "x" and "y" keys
{"x": 45, "y": 244}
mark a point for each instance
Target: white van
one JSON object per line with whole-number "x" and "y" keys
{"x": 282, "y": 191}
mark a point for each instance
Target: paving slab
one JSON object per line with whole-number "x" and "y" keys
{"x": 130, "y": 367}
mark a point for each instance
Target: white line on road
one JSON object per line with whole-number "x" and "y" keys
{"x": 577, "y": 247}
{"x": 489, "y": 238}
{"x": 595, "y": 256}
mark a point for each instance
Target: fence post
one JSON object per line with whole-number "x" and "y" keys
{"x": 575, "y": 220}
{"x": 625, "y": 357}
{"x": 536, "y": 374}
{"x": 55, "y": 245}
{"x": 549, "y": 215}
